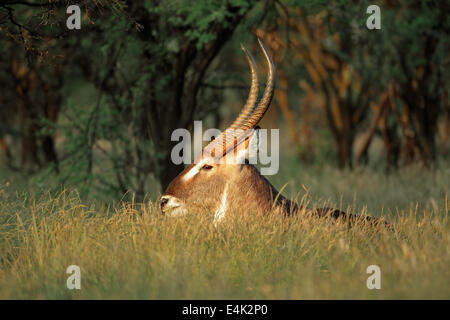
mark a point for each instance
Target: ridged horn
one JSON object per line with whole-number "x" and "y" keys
{"x": 250, "y": 115}
{"x": 265, "y": 101}
{"x": 253, "y": 95}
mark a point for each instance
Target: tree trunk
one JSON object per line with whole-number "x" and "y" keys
{"x": 344, "y": 143}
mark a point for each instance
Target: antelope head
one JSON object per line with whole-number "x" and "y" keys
{"x": 221, "y": 179}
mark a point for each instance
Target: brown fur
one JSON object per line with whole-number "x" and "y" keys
{"x": 247, "y": 191}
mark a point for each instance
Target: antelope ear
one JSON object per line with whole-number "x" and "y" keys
{"x": 249, "y": 153}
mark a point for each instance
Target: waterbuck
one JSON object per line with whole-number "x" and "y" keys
{"x": 221, "y": 180}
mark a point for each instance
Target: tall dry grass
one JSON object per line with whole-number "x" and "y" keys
{"x": 130, "y": 252}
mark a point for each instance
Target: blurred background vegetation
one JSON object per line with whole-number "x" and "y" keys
{"x": 94, "y": 108}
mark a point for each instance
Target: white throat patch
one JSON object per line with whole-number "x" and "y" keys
{"x": 220, "y": 213}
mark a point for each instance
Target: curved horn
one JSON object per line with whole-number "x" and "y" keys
{"x": 265, "y": 101}
{"x": 253, "y": 95}
{"x": 248, "y": 118}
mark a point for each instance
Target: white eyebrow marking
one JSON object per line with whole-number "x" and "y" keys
{"x": 195, "y": 169}
{"x": 220, "y": 213}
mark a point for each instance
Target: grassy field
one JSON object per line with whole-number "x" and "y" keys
{"x": 128, "y": 251}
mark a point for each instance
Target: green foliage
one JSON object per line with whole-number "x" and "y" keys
{"x": 121, "y": 95}
{"x": 119, "y": 80}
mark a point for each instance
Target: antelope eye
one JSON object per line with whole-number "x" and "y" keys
{"x": 207, "y": 167}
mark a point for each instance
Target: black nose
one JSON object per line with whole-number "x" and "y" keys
{"x": 163, "y": 202}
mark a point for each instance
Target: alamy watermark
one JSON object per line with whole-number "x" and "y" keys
{"x": 374, "y": 20}
{"x": 74, "y": 20}
{"x": 74, "y": 280}
{"x": 254, "y": 151}
{"x": 374, "y": 281}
